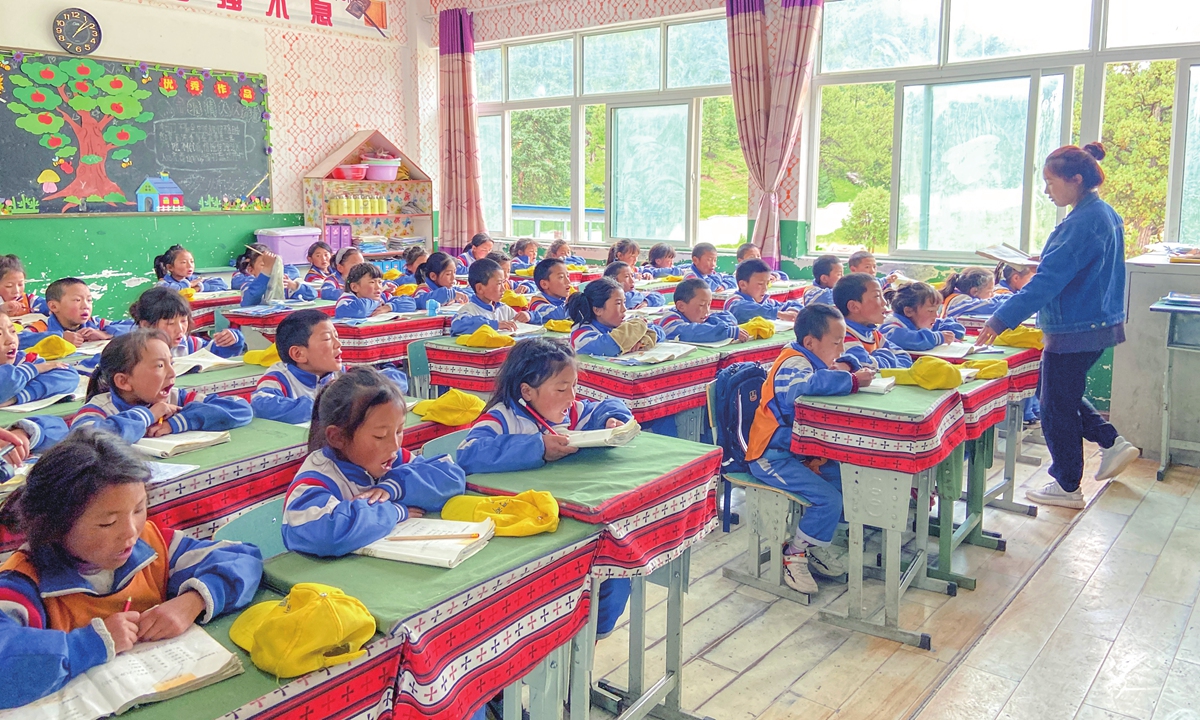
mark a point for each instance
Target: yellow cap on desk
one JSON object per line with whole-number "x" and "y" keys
{"x": 929, "y": 372}
{"x": 520, "y": 515}
{"x": 485, "y": 337}
{"x": 453, "y": 408}
{"x": 1021, "y": 337}
{"x": 266, "y": 358}
{"x": 759, "y": 328}
{"x": 52, "y": 347}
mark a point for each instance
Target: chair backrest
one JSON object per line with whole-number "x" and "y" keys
{"x": 418, "y": 361}
{"x": 445, "y": 445}
{"x": 262, "y": 526}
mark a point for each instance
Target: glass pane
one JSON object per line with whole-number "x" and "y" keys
{"x": 854, "y": 178}
{"x": 595, "y": 123}
{"x": 961, "y": 169}
{"x": 649, "y": 172}
{"x": 1136, "y": 131}
{"x": 541, "y": 70}
{"x": 1049, "y": 134}
{"x": 988, "y": 29}
{"x": 1152, "y": 22}
{"x": 622, "y": 62}
{"x": 724, "y": 180}
{"x": 491, "y": 172}
{"x": 1189, "y": 224}
{"x": 866, "y": 34}
{"x": 489, "y": 85}
{"x": 541, "y": 172}
{"x": 697, "y": 54}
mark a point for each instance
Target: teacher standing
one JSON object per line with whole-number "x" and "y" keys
{"x": 1079, "y": 296}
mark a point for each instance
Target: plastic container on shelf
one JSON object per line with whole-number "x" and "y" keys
{"x": 289, "y": 243}
{"x": 385, "y": 170}
{"x": 350, "y": 172}
{"x": 338, "y": 236}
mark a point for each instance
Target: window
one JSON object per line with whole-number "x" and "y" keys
{"x": 541, "y": 172}
{"x": 649, "y": 174}
{"x": 697, "y": 54}
{"x": 989, "y": 29}
{"x": 491, "y": 171}
{"x": 1049, "y": 133}
{"x": 541, "y": 70}
{"x": 595, "y": 124}
{"x": 724, "y": 180}
{"x": 867, "y": 34}
{"x": 622, "y": 62}
{"x": 489, "y": 81}
{"x": 1152, "y": 22}
{"x": 1189, "y": 225}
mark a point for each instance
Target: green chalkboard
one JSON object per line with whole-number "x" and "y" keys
{"x": 80, "y": 135}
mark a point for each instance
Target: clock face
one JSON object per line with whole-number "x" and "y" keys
{"x": 76, "y": 31}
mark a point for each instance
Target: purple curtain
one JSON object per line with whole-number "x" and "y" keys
{"x": 462, "y": 193}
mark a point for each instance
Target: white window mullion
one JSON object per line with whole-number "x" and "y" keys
{"x": 506, "y": 173}
{"x": 1179, "y": 130}
{"x": 1031, "y": 136}
{"x": 897, "y": 143}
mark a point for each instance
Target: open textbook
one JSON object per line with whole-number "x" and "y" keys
{"x": 79, "y": 393}
{"x": 956, "y": 350}
{"x": 660, "y": 353}
{"x": 879, "y": 385}
{"x": 445, "y": 553}
{"x": 604, "y": 437}
{"x": 1008, "y": 255}
{"x": 147, "y": 673}
{"x": 203, "y": 361}
{"x": 169, "y": 446}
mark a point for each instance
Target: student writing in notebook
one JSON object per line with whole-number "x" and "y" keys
{"x": 692, "y": 319}
{"x": 358, "y": 482}
{"x": 13, "y": 298}
{"x": 600, "y": 326}
{"x": 365, "y": 296}
{"x": 94, "y": 576}
{"x": 165, "y": 309}
{"x": 484, "y": 308}
{"x": 914, "y": 323}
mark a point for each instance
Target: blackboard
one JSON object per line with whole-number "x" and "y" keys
{"x": 87, "y": 135}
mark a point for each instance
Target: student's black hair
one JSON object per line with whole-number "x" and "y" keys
{"x": 743, "y": 249}
{"x": 498, "y": 257}
{"x": 340, "y": 256}
{"x": 660, "y": 251}
{"x": 1003, "y": 273}
{"x": 686, "y": 290}
{"x": 813, "y": 320}
{"x": 823, "y": 266}
{"x": 318, "y": 245}
{"x": 120, "y": 356}
{"x": 851, "y": 287}
{"x": 159, "y": 303}
{"x": 64, "y": 481}
{"x": 911, "y": 295}
{"x": 58, "y": 288}
{"x": 345, "y": 402}
{"x": 531, "y": 362}
{"x": 857, "y": 257}
{"x": 963, "y": 281}
{"x": 699, "y": 250}
{"x": 481, "y": 271}
{"x": 541, "y": 271}
{"x": 435, "y": 264}
{"x": 622, "y": 247}
{"x": 362, "y": 270}
{"x": 412, "y": 254}
{"x": 247, "y": 258}
{"x": 295, "y": 331}
{"x": 749, "y": 269}
{"x": 614, "y": 268}
{"x": 559, "y": 245}
{"x": 518, "y": 247}
{"x": 162, "y": 262}
{"x": 10, "y": 263}
{"x": 479, "y": 240}
{"x": 582, "y": 305}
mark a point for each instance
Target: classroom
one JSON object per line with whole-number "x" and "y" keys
{"x": 592, "y": 359}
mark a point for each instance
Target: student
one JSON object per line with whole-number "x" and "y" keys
{"x": 70, "y": 303}
{"x": 970, "y": 291}
{"x": 132, "y": 393}
{"x": 561, "y": 250}
{"x": 242, "y": 276}
{"x": 750, "y": 251}
{"x": 24, "y": 377}
{"x": 94, "y": 577}
{"x": 484, "y": 307}
{"x": 827, "y": 270}
{"x": 628, "y": 252}
{"x": 524, "y": 253}
{"x": 335, "y": 284}
{"x": 704, "y": 266}
{"x": 162, "y": 308}
{"x": 863, "y": 261}
{"x": 320, "y": 262}
{"x": 1008, "y": 279}
{"x": 914, "y": 323}
{"x": 17, "y": 302}
{"x": 358, "y": 482}
{"x": 524, "y": 426}
{"x": 599, "y": 313}
{"x": 662, "y": 261}
{"x": 260, "y": 270}
{"x": 524, "y": 287}
{"x": 176, "y": 269}
{"x": 414, "y": 257}
{"x": 623, "y": 274}
{"x": 29, "y": 436}
{"x": 477, "y": 249}
{"x": 812, "y": 365}
{"x": 435, "y": 281}
{"x": 554, "y": 285}
{"x": 364, "y": 296}
{"x": 692, "y": 321}
{"x": 751, "y": 301}
{"x": 860, "y": 300}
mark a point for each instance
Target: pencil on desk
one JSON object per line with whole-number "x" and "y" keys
{"x": 453, "y": 536}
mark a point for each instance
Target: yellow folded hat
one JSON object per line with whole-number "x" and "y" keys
{"x": 1021, "y": 337}
{"x": 316, "y": 626}
{"x": 759, "y": 328}
{"x": 453, "y": 408}
{"x": 52, "y": 347}
{"x": 266, "y": 358}
{"x": 561, "y": 326}
{"x": 577, "y": 268}
{"x": 671, "y": 278}
{"x": 988, "y": 369}
{"x": 485, "y": 337}
{"x": 391, "y": 274}
{"x": 527, "y": 513}
{"x": 928, "y": 372}
{"x": 188, "y": 293}
{"x": 514, "y": 299}
{"x": 523, "y": 272}
{"x": 401, "y": 290}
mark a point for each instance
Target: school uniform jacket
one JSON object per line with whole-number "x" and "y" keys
{"x": 573, "y": 260}
{"x": 517, "y": 285}
{"x": 717, "y": 281}
{"x": 633, "y": 298}
{"x": 317, "y": 275}
{"x": 905, "y": 333}
{"x": 252, "y": 293}
{"x": 718, "y": 326}
{"x": 521, "y": 262}
{"x": 42, "y": 329}
{"x": 31, "y": 303}
{"x": 661, "y": 271}
{"x": 476, "y": 313}
{"x": 744, "y": 308}
{"x": 285, "y": 393}
{"x": 189, "y": 344}
{"x": 108, "y": 411}
{"x": 508, "y": 439}
{"x": 427, "y": 291}
{"x": 350, "y": 305}
{"x": 21, "y": 381}
{"x": 334, "y": 285}
{"x": 208, "y": 284}
{"x": 464, "y": 260}
{"x": 816, "y": 294}
{"x": 796, "y": 372}
{"x": 960, "y": 304}
{"x": 321, "y": 516}
{"x": 869, "y": 347}
{"x": 595, "y": 338}
{"x": 51, "y": 627}
{"x": 543, "y": 307}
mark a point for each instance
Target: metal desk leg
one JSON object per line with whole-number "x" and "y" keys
{"x": 1001, "y": 496}
{"x": 949, "y": 488}
{"x": 1165, "y": 457}
{"x": 545, "y": 687}
{"x": 583, "y": 652}
{"x": 688, "y": 422}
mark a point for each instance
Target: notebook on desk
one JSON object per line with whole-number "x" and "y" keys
{"x": 525, "y": 330}
{"x": 956, "y": 350}
{"x": 445, "y": 553}
{"x": 879, "y": 385}
{"x": 169, "y": 446}
{"x": 203, "y": 361}
{"x": 660, "y": 353}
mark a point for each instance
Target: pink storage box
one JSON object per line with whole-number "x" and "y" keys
{"x": 338, "y": 236}
{"x": 289, "y": 243}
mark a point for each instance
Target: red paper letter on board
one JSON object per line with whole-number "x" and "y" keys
{"x": 234, "y": 5}
{"x": 278, "y": 8}
{"x": 322, "y": 13}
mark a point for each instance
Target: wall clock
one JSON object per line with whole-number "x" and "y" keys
{"x": 77, "y": 31}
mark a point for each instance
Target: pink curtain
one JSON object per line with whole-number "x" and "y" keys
{"x": 462, "y": 192}
{"x": 768, "y": 100}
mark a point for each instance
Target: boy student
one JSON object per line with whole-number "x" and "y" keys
{"x": 704, "y": 266}
{"x": 860, "y": 300}
{"x": 809, "y": 366}
{"x": 750, "y": 251}
{"x": 70, "y": 304}
{"x": 827, "y": 270}
{"x": 751, "y": 301}
{"x": 486, "y": 278}
{"x": 554, "y": 285}
{"x": 691, "y": 320}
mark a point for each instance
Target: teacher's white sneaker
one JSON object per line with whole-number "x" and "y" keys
{"x": 1052, "y": 494}
{"x": 1115, "y": 459}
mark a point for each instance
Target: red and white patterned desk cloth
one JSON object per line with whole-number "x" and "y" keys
{"x": 462, "y": 367}
{"x": 387, "y": 342}
{"x": 985, "y": 404}
{"x": 759, "y": 351}
{"x": 782, "y": 294}
{"x": 204, "y": 310}
{"x": 650, "y": 391}
{"x": 266, "y": 324}
{"x": 907, "y": 430}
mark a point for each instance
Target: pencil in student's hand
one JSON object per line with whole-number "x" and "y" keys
{"x": 128, "y": 603}
{"x": 452, "y": 536}
{"x": 251, "y": 248}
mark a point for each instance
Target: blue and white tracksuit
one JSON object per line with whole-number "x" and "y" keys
{"x": 520, "y": 262}
{"x": 871, "y": 348}
{"x": 476, "y": 313}
{"x": 543, "y": 307}
{"x": 595, "y": 338}
{"x": 816, "y": 294}
{"x": 189, "y": 344}
{"x": 208, "y": 284}
{"x": 252, "y": 292}
{"x": 285, "y": 392}
{"x": 108, "y": 411}
{"x": 44, "y": 432}
{"x": 661, "y": 271}
{"x": 427, "y": 291}
{"x": 744, "y": 308}
{"x": 961, "y": 304}
{"x": 22, "y": 383}
{"x": 717, "y": 281}
{"x": 350, "y": 305}
{"x": 719, "y": 325}
{"x": 38, "y": 331}
{"x": 633, "y": 298}
{"x": 904, "y": 333}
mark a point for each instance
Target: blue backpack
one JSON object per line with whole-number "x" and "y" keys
{"x": 737, "y": 392}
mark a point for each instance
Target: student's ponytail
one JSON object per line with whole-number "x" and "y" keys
{"x": 247, "y": 258}
{"x": 435, "y": 264}
{"x": 947, "y": 288}
{"x": 621, "y": 247}
{"x": 162, "y": 262}
{"x": 582, "y": 305}
{"x": 966, "y": 280}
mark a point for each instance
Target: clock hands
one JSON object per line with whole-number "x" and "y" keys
{"x": 81, "y": 28}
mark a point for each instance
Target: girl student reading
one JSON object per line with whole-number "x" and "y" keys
{"x": 435, "y": 281}
{"x": 176, "y": 269}
{"x": 95, "y": 577}
{"x": 517, "y": 285}
{"x": 522, "y": 429}
{"x": 14, "y": 301}
{"x": 600, "y": 325}
{"x": 1009, "y": 279}
{"x": 320, "y": 263}
{"x": 414, "y": 257}
{"x": 662, "y": 261}
{"x": 358, "y": 482}
{"x": 335, "y": 283}
{"x": 561, "y": 250}
{"x": 624, "y": 275}
{"x": 914, "y": 323}
{"x": 524, "y": 253}
{"x": 970, "y": 291}
{"x": 477, "y": 249}
{"x": 628, "y": 252}
{"x": 365, "y": 297}
{"x": 484, "y": 308}
{"x": 259, "y": 271}
{"x": 162, "y": 308}
{"x": 132, "y": 393}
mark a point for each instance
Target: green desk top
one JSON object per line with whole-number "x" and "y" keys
{"x": 904, "y": 400}
{"x": 191, "y": 380}
{"x": 697, "y": 354}
{"x": 257, "y": 438}
{"x": 59, "y": 409}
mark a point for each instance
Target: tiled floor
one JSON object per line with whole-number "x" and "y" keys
{"x": 1102, "y": 621}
